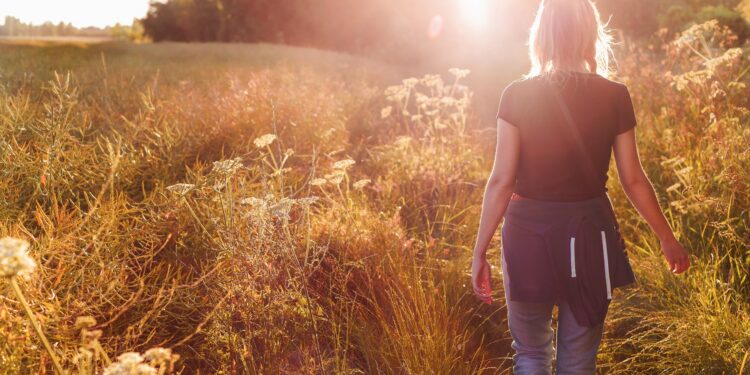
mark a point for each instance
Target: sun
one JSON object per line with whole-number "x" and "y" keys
{"x": 474, "y": 12}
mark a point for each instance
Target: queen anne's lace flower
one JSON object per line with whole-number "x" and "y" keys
{"x": 227, "y": 166}
{"x": 253, "y": 201}
{"x": 264, "y": 140}
{"x": 181, "y": 189}
{"x": 306, "y": 201}
{"x": 361, "y": 183}
{"x": 459, "y": 73}
{"x": 158, "y": 355}
{"x": 343, "y": 164}
{"x": 336, "y": 177}
{"x": 14, "y": 258}
{"x": 282, "y": 208}
{"x": 129, "y": 363}
{"x": 410, "y": 82}
{"x": 318, "y": 182}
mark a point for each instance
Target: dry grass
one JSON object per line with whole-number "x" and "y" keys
{"x": 155, "y": 203}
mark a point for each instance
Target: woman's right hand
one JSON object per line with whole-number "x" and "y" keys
{"x": 677, "y": 256}
{"x": 480, "y": 278}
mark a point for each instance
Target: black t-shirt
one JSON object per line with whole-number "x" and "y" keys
{"x": 567, "y": 129}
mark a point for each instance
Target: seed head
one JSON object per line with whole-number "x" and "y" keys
{"x": 459, "y": 73}
{"x": 336, "y": 177}
{"x": 343, "y": 164}
{"x": 264, "y": 140}
{"x": 227, "y": 166}
{"x": 318, "y": 182}
{"x": 130, "y": 363}
{"x": 181, "y": 189}
{"x": 14, "y": 258}
{"x": 85, "y": 322}
{"x": 158, "y": 355}
{"x": 361, "y": 183}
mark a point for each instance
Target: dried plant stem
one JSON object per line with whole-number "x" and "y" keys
{"x": 58, "y": 368}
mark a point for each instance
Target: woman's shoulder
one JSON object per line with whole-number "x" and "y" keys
{"x": 519, "y": 84}
{"x": 531, "y": 85}
{"x": 614, "y": 83}
{"x": 522, "y": 81}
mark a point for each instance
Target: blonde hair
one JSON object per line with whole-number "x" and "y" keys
{"x": 568, "y": 34}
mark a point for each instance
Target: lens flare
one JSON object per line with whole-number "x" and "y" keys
{"x": 474, "y": 12}
{"x": 435, "y": 27}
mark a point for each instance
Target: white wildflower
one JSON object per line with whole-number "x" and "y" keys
{"x": 336, "y": 177}
{"x": 280, "y": 171}
{"x": 431, "y": 80}
{"x": 228, "y": 167}
{"x": 129, "y": 363}
{"x": 14, "y": 258}
{"x": 307, "y": 201}
{"x": 158, "y": 355}
{"x": 281, "y": 208}
{"x": 396, "y": 93}
{"x": 447, "y": 100}
{"x": 130, "y": 357}
{"x": 264, "y": 140}
{"x": 459, "y": 73}
{"x": 386, "y": 112}
{"x": 181, "y": 189}
{"x": 318, "y": 182}
{"x": 410, "y": 82}
{"x": 253, "y": 201}
{"x": 343, "y": 164}
{"x": 361, "y": 183}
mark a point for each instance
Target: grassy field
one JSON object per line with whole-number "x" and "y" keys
{"x": 264, "y": 209}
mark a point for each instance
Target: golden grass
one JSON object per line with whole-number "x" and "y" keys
{"x": 156, "y": 203}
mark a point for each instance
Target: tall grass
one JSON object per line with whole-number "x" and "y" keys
{"x": 693, "y": 108}
{"x": 295, "y": 215}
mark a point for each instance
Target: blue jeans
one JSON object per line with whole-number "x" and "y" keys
{"x": 530, "y": 326}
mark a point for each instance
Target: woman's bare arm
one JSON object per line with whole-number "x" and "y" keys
{"x": 500, "y": 184}
{"x": 498, "y": 190}
{"x": 641, "y": 194}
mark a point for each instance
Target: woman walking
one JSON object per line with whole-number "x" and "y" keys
{"x": 557, "y": 129}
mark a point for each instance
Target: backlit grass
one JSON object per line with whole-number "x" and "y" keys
{"x": 262, "y": 209}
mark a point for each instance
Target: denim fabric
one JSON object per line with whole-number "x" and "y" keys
{"x": 530, "y": 325}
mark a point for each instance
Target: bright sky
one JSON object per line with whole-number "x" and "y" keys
{"x": 80, "y": 13}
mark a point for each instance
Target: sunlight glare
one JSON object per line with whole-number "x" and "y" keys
{"x": 474, "y": 12}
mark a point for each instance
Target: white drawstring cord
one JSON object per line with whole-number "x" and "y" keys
{"x": 572, "y": 257}
{"x": 606, "y": 265}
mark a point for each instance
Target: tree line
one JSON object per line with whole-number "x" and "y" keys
{"x": 362, "y": 24}
{"x": 14, "y": 27}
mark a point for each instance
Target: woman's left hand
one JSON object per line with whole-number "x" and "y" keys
{"x": 480, "y": 278}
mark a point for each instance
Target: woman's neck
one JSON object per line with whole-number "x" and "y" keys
{"x": 574, "y": 68}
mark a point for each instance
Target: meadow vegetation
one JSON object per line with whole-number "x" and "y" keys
{"x": 263, "y": 209}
